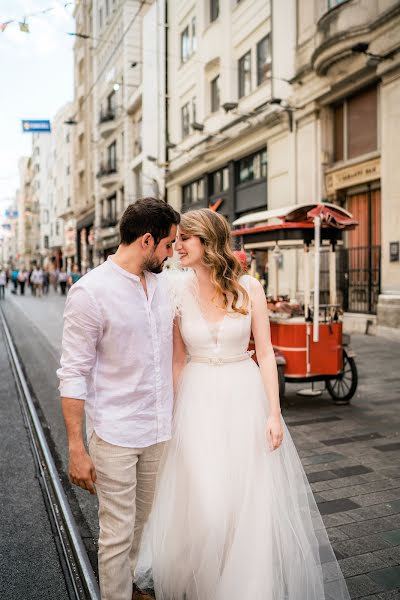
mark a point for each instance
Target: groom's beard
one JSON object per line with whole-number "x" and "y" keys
{"x": 153, "y": 265}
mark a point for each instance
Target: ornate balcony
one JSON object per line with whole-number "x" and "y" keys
{"x": 107, "y": 122}
{"x": 108, "y": 174}
{"x": 343, "y": 25}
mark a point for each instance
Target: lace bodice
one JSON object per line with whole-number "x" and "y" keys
{"x": 227, "y": 337}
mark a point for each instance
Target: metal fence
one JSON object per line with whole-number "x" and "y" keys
{"x": 358, "y": 278}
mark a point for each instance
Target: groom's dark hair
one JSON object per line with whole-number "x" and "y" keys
{"x": 147, "y": 215}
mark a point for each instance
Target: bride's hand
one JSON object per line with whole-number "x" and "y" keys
{"x": 274, "y": 432}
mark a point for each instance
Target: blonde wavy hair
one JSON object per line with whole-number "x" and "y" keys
{"x": 215, "y": 235}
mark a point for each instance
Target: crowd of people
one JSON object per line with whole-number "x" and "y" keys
{"x": 38, "y": 279}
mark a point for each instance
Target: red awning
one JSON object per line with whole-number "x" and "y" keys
{"x": 330, "y": 217}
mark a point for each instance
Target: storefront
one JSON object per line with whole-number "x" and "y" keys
{"x": 358, "y": 189}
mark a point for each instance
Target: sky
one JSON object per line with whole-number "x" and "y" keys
{"x": 36, "y": 72}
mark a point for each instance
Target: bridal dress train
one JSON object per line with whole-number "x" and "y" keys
{"x": 231, "y": 520}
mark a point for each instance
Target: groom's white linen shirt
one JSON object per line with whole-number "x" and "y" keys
{"x": 117, "y": 355}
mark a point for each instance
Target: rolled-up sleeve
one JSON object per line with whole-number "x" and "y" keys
{"x": 81, "y": 333}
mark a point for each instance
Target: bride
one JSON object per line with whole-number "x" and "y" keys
{"x": 233, "y": 517}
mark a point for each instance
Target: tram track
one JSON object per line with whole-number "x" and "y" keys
{"x": 79, "y": 577}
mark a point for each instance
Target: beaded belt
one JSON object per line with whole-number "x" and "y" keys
{"x": 221, "y": 360}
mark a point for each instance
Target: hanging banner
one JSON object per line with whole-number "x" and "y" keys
{"x": 36, "y": 126}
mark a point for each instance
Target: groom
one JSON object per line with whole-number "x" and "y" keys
{"x": 116, "y": 368}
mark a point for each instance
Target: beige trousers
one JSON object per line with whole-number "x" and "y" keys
{"x": 125, "y": 487}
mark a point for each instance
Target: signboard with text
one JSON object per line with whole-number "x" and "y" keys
{"x": 41, "y": 126}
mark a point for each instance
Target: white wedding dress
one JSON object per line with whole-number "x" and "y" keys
{"x": 231, "y": 519}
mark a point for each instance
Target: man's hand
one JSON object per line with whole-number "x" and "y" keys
{"x": 81, "y": 469}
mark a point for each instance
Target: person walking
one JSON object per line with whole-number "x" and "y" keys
{"x": 36, "y": 280}
{"x": 74, "y": 276}
{"x": 234, "y": 516}
{"x": 62, "y": 280}
{"x": 3, "y": 282}
{"x": 22, "y": 278}
{"x": 14, "y": 280}
{"x": 46, "y": 281}
{"x": 116, "y": 368}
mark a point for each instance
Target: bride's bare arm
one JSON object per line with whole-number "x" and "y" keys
{"x": 179, "y": 354}
{"x": 266, "y": 361}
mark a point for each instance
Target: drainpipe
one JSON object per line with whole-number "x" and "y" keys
{"x": 166, "y": 136}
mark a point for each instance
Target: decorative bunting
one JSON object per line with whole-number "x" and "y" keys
{"x": 4, "y": 25}
{"x": 23, "y": 26}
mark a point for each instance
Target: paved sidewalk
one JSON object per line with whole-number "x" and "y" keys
{"x": 351, "y": 453}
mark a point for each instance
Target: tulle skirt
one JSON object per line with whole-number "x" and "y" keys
{"x": 233, "y": 520}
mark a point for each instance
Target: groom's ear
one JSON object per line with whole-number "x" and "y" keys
{"x": 147, "y": 241}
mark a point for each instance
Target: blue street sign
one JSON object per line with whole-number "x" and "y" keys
{"x": 11, "y": 213}
{"x": 34, "y": 126}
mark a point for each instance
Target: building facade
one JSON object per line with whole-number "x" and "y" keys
{"x": 60, "y": 169}
{"x": 119, "y": 64}
{"x": 347, "y": 88}
{"x": 82, "y": 120}
{"x": 28, "y": 231}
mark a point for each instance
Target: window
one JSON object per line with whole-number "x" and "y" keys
{"x": 194, "y": 109}
{"x": 185, "y": 120}
{"x": 352, "y": 137}
{"x": 245, "y": 75}
{"x": 194, "y": 39}
{"x": 107, "y": 7}
{"x": 46, "y": 242}
{"x": 215, "y": 99}
{"x": 68, "y": 202}
{"x": 185, "y": 45}
{"x": 111, "y": 102}
{"x": 263, "y": 59}
{"x": 214, "y": 10}
{"x": 68, "y": 170}
{"x": 252, "y": 168}
{"x": 100, "y": 18}
{"x": 193, "y": 192}
{"x": 112, "y": 157}
{"x": 57, "y": 228}
{"x": 333, "y": 3}
{"x": 112, "y": 209}
{"x": 67, "y": 138}
{"x": 138, "y": 137}
{"x": 219, "y": 181}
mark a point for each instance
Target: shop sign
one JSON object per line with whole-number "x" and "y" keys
{"x": 354, "y": 175}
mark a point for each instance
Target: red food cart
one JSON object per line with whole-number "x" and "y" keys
{"x": 307, "y": 337}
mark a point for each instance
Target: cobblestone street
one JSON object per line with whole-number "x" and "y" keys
{"x": 351, "y": 454}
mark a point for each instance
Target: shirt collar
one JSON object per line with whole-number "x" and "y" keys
{"x": 151, "y": 278}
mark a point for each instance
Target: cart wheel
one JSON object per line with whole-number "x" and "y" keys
{"x": 343, "y": 388}
{"x": 281, "y": 381}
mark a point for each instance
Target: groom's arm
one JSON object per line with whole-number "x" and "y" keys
{"x": 81, "y": 333}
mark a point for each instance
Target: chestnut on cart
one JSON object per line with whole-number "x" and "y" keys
{"x": 308, "y": 338}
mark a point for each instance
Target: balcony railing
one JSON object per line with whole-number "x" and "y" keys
{"x": 107, "y": 115}
{"x": 110, "y": 221}
{"x": 107, "y": 168}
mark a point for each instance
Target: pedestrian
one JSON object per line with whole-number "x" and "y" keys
{"x": 23, "y": 277}
{"x": 74, "y": 276}
{"x": 36, "y": 280}
{"x": 54, "y": 279}
{"x": 3, "y": 282}
{"x": 62, "y": 280}
{"x": 234, "y": 517}
{"x": 46, "y": 281}
{"x": 116, "y": 367}
{"x": 14, "y": 280}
